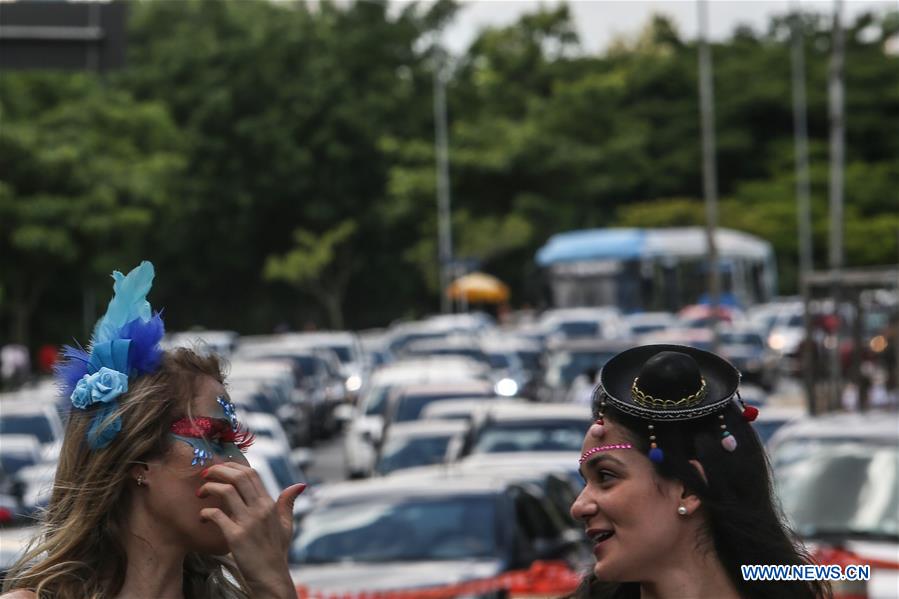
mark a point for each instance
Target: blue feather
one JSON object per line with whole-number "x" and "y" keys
{"x": 128, "y": 302}
{"x": 145, "y": 353}
{"x": 71, "y": 368}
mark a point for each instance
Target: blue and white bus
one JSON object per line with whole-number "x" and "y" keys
{"x": 654, "y": 269}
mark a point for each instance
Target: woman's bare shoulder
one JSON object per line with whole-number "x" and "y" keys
{"x": 19, "y": 594}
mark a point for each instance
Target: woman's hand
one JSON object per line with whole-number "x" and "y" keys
{"x": 257, "y": 529}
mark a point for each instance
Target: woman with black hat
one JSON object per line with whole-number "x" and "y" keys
{"x": 678, "y": 493}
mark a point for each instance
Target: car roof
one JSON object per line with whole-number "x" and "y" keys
{"x": 591, "y": 344}
{"x": 508, "y": 471}
{"x": 876, "y": 425}
{"x": 466, "y": 404}
{"x": 588, "y": 313}
{"x": 19, "y": 407}
{"x": 405, "y": 488}
{"x": 443, "y": 388}
{"x": 449, "y": 342}
{"x": 16, "y": 442}
{"x": 424, "y": 367}
{"x": 537, "y": 411}
{"x": 426, "y": 428}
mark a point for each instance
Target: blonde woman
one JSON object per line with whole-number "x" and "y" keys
{"x": 152, "y": 491}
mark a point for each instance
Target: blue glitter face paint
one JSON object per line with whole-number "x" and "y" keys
{"x": 228, "y": 409}
{"x": 214, "y": 437}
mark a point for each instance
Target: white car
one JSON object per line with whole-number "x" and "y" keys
{"x": 837, "y": 478}
{"x": 38, "y": 419}
{"x": 363, "y": 431}
{"x": 417, "y": 443}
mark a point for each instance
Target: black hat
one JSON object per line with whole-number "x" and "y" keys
{"x": 669, "y": 383}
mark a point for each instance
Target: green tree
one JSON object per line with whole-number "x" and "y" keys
{"x": 320, "y": 265}
{"x": 84, "y": 169}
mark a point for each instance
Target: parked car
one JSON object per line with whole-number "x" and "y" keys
{"x": 746, "y": 349}
{"x": 643, "y": 323}
{"x": 529, "y": 428}
{"x": 566, "y": 360}
{"x": 363, "y": 431}
{"x": 529, "y": 356}
{"x": 38, "y": 419}
{"x": 346, "y": 347}
{"x": 406, "y": 403}
{"x": 464, "y": 409}
{"x": 571, "y": 323}
{"x": 771, "y": 418}
{"x": 417, "y": 443}
{"x": 380, "y": 535}
{"x": 274, "y": 466}
{"x": 18, "y": 451}
{"x": 221, "y": 343}
{"x": 837, "y": 477}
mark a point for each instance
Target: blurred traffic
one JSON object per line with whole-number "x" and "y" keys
{"x": 459, "y": 419}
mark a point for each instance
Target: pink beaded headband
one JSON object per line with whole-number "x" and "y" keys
{"x": 594, "y": 450}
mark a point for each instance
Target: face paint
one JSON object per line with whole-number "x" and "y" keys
{"x": 210, "y": 437}
{"x": 595, "y": 450}
{"x": 228, "y": 409}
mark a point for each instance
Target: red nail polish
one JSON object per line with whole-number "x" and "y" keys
{"x": 200, "y": 492}
{"x": 204, "y": 472}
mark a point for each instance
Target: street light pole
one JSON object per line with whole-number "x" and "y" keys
{"x": 837, "y": 151}
{"x": 803, "y": 208}
{"x": 441, "y": 151}
{"x": 709, "y": 167}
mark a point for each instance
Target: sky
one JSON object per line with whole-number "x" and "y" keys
{"x": 600, "y": 21}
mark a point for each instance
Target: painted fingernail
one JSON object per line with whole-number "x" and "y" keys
{"x": 204, "y": 472}
{"x": 200, "y": 493}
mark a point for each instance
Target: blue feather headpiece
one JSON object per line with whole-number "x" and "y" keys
{"x": 124, "y": 345}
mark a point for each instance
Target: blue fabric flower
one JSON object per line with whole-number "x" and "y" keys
{"x": 98, "y": 435}
{"x": 101, "y": 387}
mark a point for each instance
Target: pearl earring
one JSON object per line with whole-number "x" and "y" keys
{"x": 140, "y": 480}
{"x": 682, "y": 510}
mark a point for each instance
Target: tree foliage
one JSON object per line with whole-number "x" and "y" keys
{"x": 251, "y": 144}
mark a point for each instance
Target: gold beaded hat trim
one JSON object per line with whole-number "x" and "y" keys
{"x": 648, "y": 401}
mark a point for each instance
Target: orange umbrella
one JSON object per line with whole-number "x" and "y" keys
{"x": 478, "y": 287}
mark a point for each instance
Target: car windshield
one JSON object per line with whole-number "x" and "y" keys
{"x": 399, "y": 530}
{"x": 498, "y": 360}
{"x": 583, "y": 328}
{"x": 530, "y": 360}
{"x": 284, "y": 472}
{"x": 343, "y": 353}
{"x": 410, "y": 406}
{"x": 408, "y": 452}
{"x": 831, "y": 485}
{"x": 27, "y": 424}
{"x": 12, "y": 463}
{"x": 376, "y": 400}
{"x": 565, "y": 366}
{"x": 545, "y": 435}
{"x": 750, "y": 339}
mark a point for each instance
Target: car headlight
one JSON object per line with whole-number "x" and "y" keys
{"x": 777, "y": 341}
{"x": 353, "y": 383}
{"x": 506, "y": 387}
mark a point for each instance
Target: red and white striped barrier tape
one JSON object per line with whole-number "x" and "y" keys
{"x": 542, "y": 578}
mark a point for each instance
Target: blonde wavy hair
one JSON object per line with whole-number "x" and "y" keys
{"x": 79, "y": 552}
